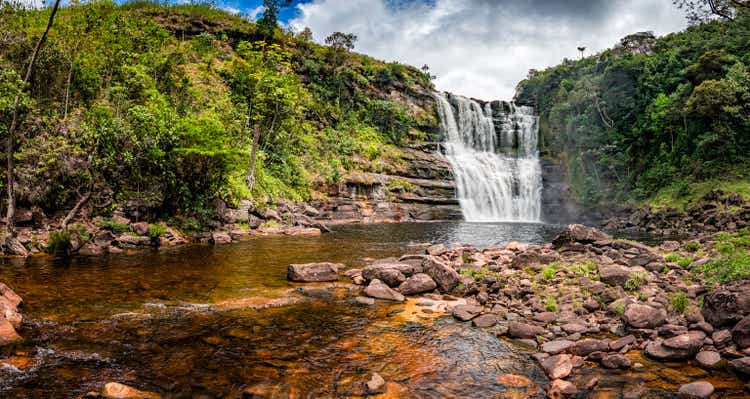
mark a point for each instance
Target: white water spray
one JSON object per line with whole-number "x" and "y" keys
{"x": 498, "y": 174}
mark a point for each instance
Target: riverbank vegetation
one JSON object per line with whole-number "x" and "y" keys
{"x": 171, "y": 108}
{"x": 660, "y": 121}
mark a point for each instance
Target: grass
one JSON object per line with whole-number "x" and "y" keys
{"x": 679, "y": 302}
{"x": 636, "y": 281}
{"x": 675, "y": 196}
{"x": 115, "y": 227}
{"x": 586, "y": 269}
{"x": 550, "y": 304}
{"x": 619, "y": 309}
{"x": 548, "y": 273}
{"x": 692, "y": 246}
{"x": 735, "y": 262}
{"x": 683, "y": 261}
{"x": 59, "y": 244}
{"x": 156, "y": 230}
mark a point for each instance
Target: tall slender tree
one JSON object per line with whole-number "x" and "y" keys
{"x": 703, "y": 10}
{"x": 268, "y": 23}
{"x": 10, "y": 244}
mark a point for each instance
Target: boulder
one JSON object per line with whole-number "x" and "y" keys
{"x": 557, "y": 347}
{"x": 379, "y": 290}
{"x": 724, "y": 307}
{"x": 8, "y": 334}
{"x": 11, "y": 296}
{"x": 376, "y": 384}
{"x": 708, "y": 359}
{"x": 391, "y": 276}
{"x": 485, "y": 321}
{"x": 417, "y": 284}
{"x": 617, "y": 274}
{"x": 466, "y": 312}
{"x": 697, "y": 390}
{"x": 140, "y": 228}
{"x": 643, "y": 316}
{"x": 741, "y": 333}
{"x": 524, "y": 331}
{"x": 588, "y": 346}
{"x": 314, "y": 272}
{"x": 616, "y": 361}
{"x": 681, "y": 347}
{"x": 558, "y": 366}
{"x": 114, "y": 390}
{"x": 561, "y": 389}
{"x": 444, "y": 276}
{"x": 577, "y": 233}
{"x": 741, "y": 366}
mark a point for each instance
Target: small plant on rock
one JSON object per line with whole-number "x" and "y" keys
{"x": 682, "y": 261}
{"x": 619, "y": 309}
{"x": 679, "y": 302}
{"x": 692, "y": 246}
{"x": 59, "y": 244}
{"x": 636, "y": 281}
{"x": 550, "y": 304}
{"x": 586, "y": 269}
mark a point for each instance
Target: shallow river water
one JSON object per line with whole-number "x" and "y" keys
{"x": 212, "y": 322}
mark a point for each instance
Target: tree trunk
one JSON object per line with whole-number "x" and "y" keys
{"x": 10, "y": 184}
{"x": 253, "y": 158}
{"x": 73, "y": 212}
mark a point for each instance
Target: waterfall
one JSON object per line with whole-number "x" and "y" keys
{"x": 495, "y": 158}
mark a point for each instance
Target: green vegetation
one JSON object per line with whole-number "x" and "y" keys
{"x": 59, "y": 244}
{"x": 619, "y": 309}
{"x": 679, "y": 302}
{"x": 586, "y": 269}
{"x": 548, "y": 273}
{"x": 682, "y": 261}
{"x": 692, "y": 246}
{"x": 657, "y": 120}
{"x": 636, "y": 281}
{"x": 176, "y": 106}
{"x": 156, "y": 230}
{"x": 113, "y": 226}
{"x": 735, "y": 262}
{"x": 550, "y": 304}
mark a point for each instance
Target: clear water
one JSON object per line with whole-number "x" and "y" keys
{"x": 498, "y": 173}
{"x": 194, "y": 322}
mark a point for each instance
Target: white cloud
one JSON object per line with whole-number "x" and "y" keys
{"x": 255, "y": 13}
{"x": 483, "y": 48}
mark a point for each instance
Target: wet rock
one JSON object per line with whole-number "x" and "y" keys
{"x": 588, "y": 346}
{"x": 376, "y": 384}
{"x": 378, "y": 289}
{"x": 721, "y": 338}
{"x": 741, "y": 366}
{"x": 444, "y": 276}
{"x": 616, "y": 361}
{"x": 656, "y": 350}
{"x": 708, "y": 359}
{"x": 514, "y": 381}
{"x": 724, "y": 307}
{"x": 557, "y": 347}
{"x": 689, "y": 343}
{"x": 220, "y": 237}
{"x": 417, "y": 284}
{"x": 560, "y": 389}
{"x": 10, "y": 296}
{"x": 558, "y": 366}
{"x": 363, "y": 300}
{"x": 485, "y": 321}
{"x": 8, "y": 334}
{"x": 577, "y": 233}
{"x": 643, "y": 316}
{"x": 466, "y": 312}
{"x": 697, "y": 390}
{"x": 634, "y": 390}
{"x": 391, "y": 276}
{"x": 114, "y": 390}
{"x": 621, "y": 343}
{"x": 314, "y": 272}
{"x": 741, "y": 333}
{"x": 524, "y": 331}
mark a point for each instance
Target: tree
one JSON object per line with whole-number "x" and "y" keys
{"x": 11, "y": 245}
{"x": 268, "y": 23}
{"x": 703, "y": 10}
{"x": 263, "y": 81}
{"x": 341, "y": 42}
{"x": 306, "y": 35}
{"x": 582, "y": 49}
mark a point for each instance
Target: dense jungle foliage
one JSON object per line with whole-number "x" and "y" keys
{"x": 160, "y": 105}
{"x": 655, "y": 120}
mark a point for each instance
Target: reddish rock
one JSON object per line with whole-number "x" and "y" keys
{"x": 524, "y": 331}
{"x": 314, "y": 272}
{"x": 8, "y": 334}
{"x": 560, "y": 389}
{"x": 697, "y": 390}
{"x": 741, "y": 333}
{"x": 558, "y": 366}
{"x": 444, "y": 276}
{"x": 114, "y": 390}
{"x": 417, "y": 284}
{"x": 616, "y": 361}
{"x": 644, "y": 316}
{"x": 378, "y": 289}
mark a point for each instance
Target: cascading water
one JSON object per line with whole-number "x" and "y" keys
{"x": 498, "y": 173}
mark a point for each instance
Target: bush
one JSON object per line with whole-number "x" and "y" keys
{"x": 587, "y": 269}
{"x": 549, "y": 273}
{"x": 636, "y": 281}
{"x": 692, "y": 246}
{"x": 59, "y": 244}
{"x": 156, "y": 231}
{"x": 550, "y": 304}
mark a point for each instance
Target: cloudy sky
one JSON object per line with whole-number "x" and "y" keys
{"x": 479, "y": 48}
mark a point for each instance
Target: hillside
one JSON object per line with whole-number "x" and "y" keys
{"x": 660, "y": 121}
{"x": 153, "y": 110}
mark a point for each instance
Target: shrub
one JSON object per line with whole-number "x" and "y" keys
{"x": 733, "y": 268}
{"x": 679, "y": 302}
{"x": 636, "y": 281}
{"x": 549, "y": 273}
{"x": 156, "y": 231}
{"x": 619, "y": 309}
{"x": 59, "y": 244}
{"x": 587, "y": 269}
{"x": 692, "y": 246}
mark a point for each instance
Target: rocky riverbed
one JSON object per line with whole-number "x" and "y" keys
{"x": 585, "y": 299}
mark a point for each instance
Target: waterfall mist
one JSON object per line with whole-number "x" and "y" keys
{"x": 495, "y": 158}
